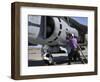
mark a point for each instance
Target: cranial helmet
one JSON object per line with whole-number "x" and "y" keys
{"x": 72, "y": 35}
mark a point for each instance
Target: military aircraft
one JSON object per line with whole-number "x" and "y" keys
{"x": 51, "y": 31}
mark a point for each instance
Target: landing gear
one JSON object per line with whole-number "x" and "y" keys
{"x": 48, "y": 59}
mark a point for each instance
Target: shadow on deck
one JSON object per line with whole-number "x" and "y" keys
{"x": 59, "y": 61}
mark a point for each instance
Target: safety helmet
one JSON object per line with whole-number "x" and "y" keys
{"x": 72, "y": 35}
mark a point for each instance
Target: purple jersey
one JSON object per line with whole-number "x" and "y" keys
{"x": 73, "y": 43}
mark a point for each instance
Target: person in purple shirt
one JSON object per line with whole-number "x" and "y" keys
{"x": 73, "y": 42}
{"x": 74, "y": 53}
